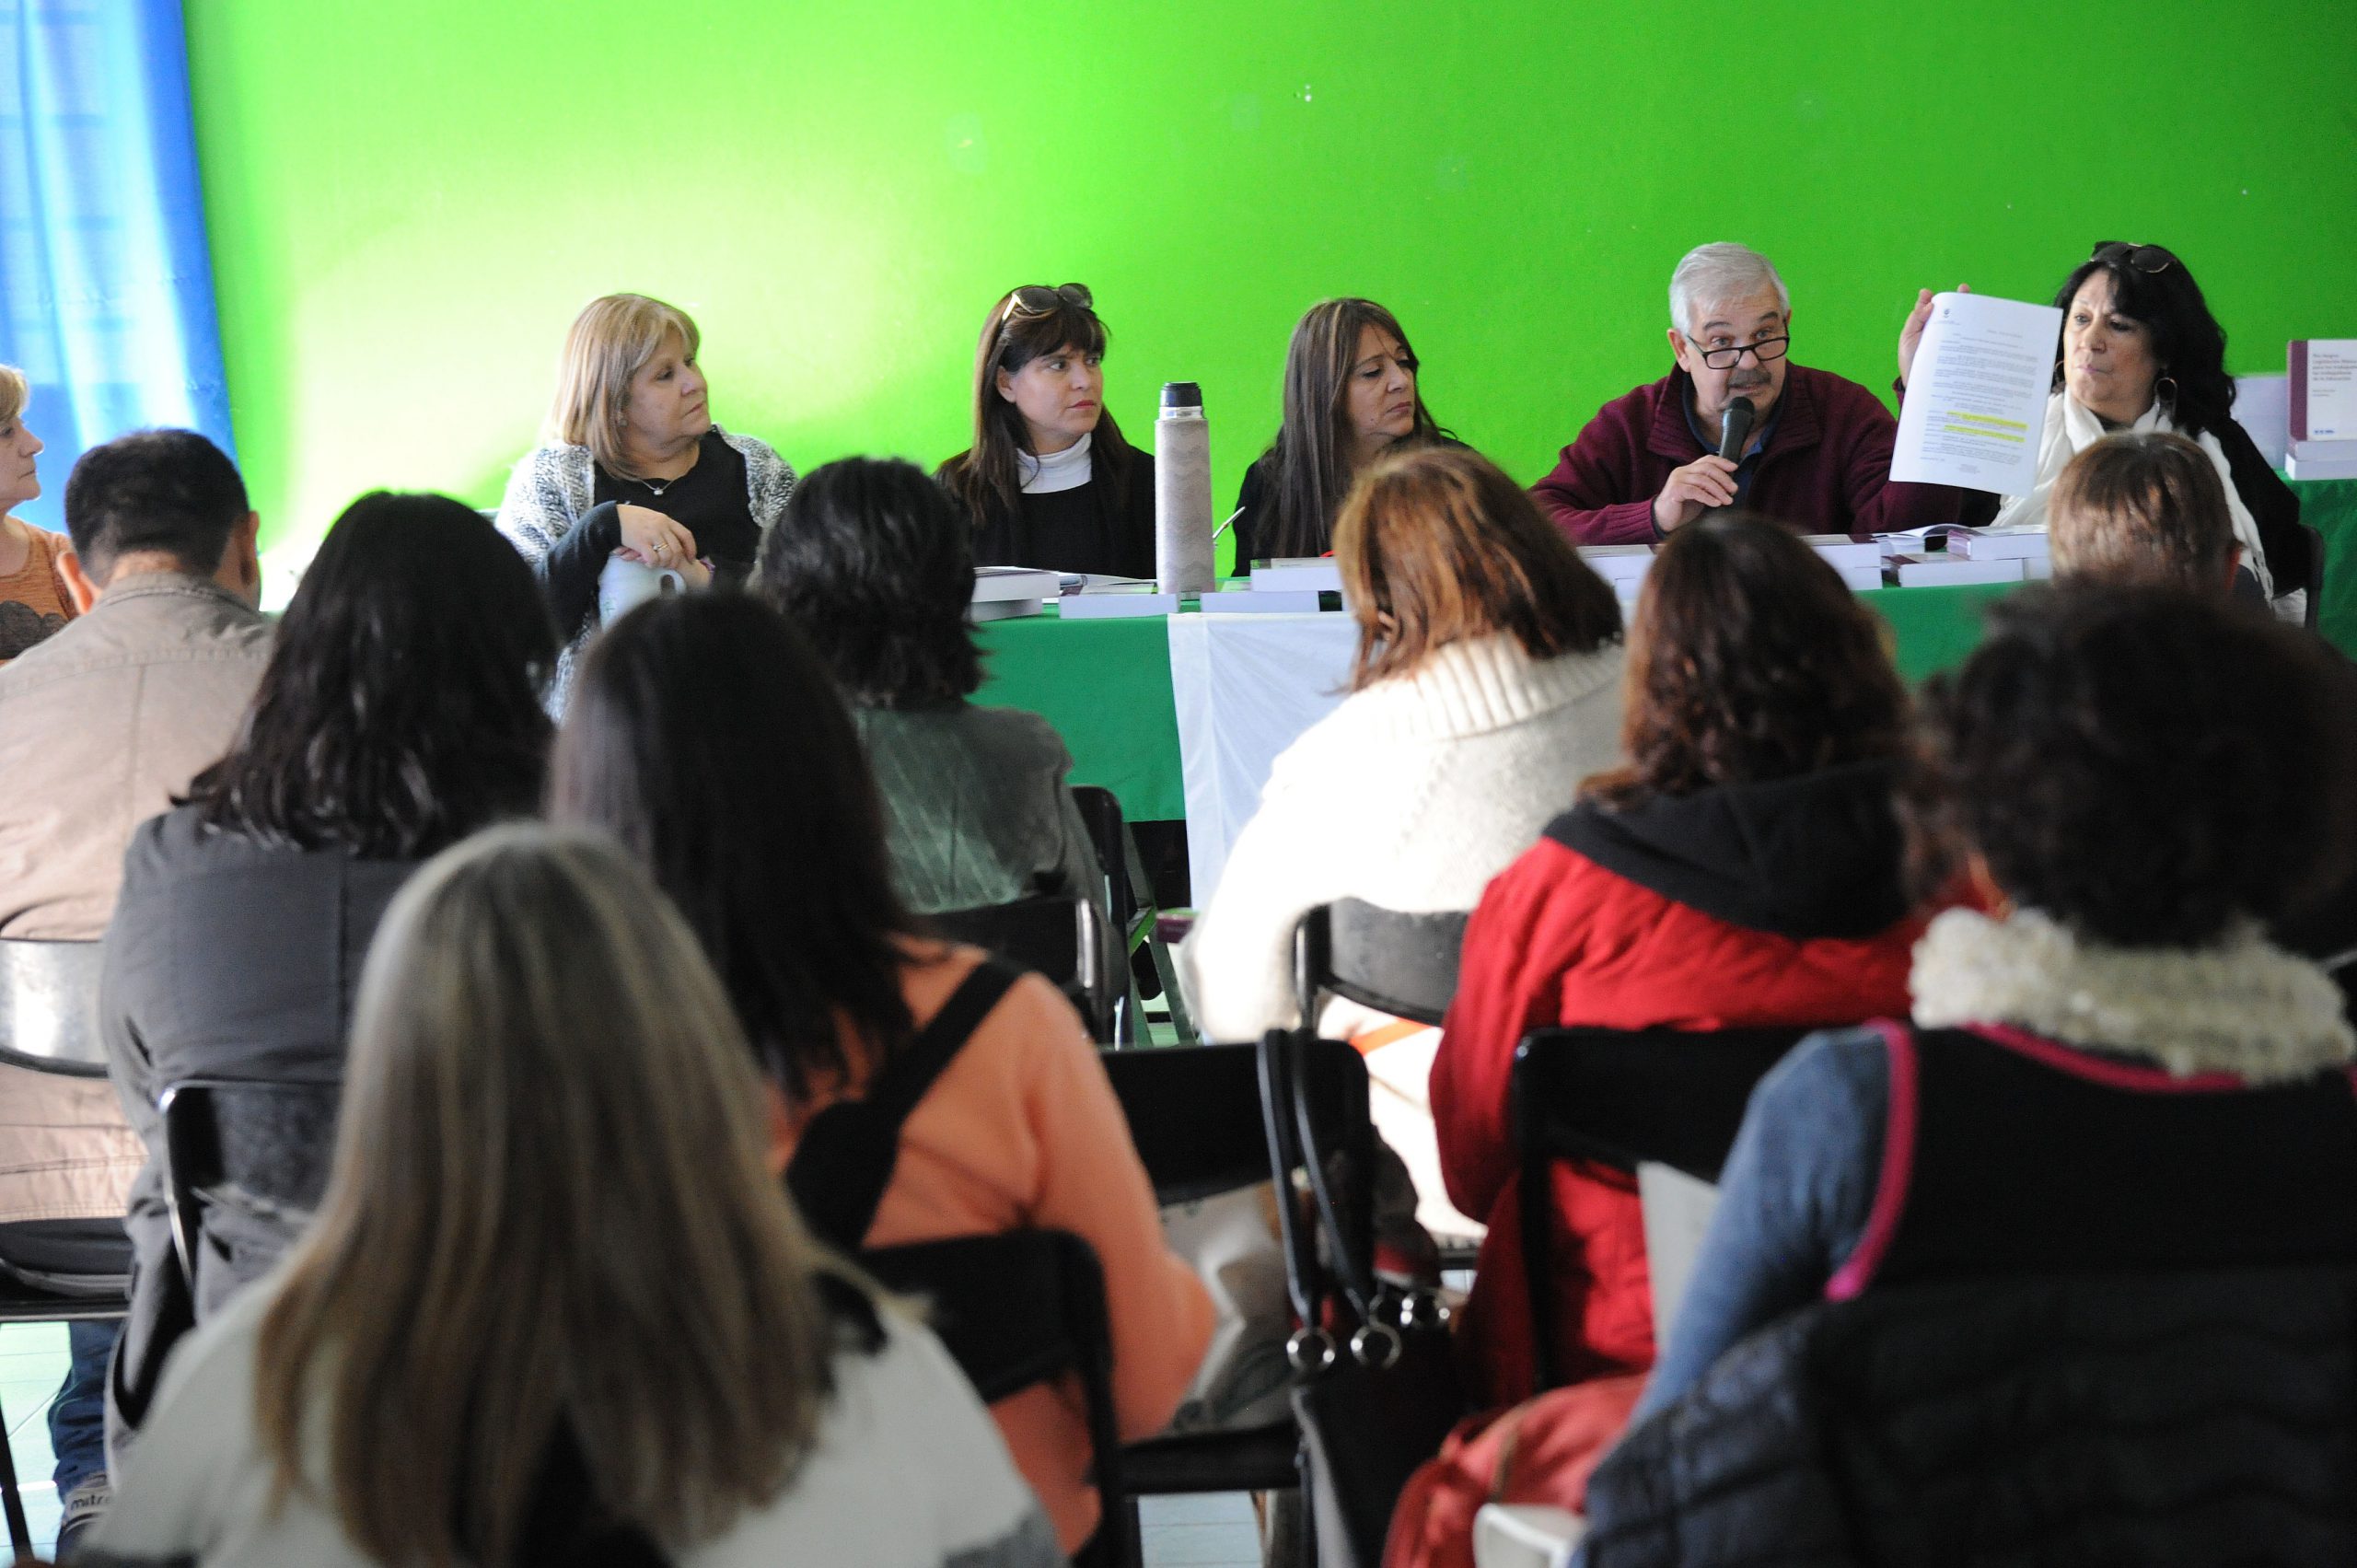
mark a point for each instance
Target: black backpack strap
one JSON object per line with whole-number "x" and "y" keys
{"x": 844, "y": 1161}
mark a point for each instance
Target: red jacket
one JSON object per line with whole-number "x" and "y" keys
{"x": 1826, "y": 467}
{"x": 1560, "y": 939}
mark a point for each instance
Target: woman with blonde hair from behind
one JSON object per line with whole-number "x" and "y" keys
{"x": 555, "y": 1308}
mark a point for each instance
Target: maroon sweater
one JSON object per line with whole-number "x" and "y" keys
{"x": 1826, "y": 467}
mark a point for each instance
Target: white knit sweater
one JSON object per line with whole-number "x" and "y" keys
{"x": 1411, "y": 795}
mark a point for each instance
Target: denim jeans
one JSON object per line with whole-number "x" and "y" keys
{"x": 77, "y": 1416}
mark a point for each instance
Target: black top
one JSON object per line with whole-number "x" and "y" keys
{"x": 709, "y": 500}
{"x": 1256, "y": 504}
{"x": 1105, "y": 526}
{"x": 1813, "y": 856}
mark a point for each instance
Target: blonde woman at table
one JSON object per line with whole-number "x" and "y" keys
{"x": 33, "y": 599}
{"x": 1486, "y": 685}
{"x": 2141, "y": 353}
{"x": 634, "y": 469}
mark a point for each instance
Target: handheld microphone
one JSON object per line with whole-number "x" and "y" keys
{"x": 1734, "y": 429}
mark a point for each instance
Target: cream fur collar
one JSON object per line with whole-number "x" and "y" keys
{"x": 2243, "y": 1006}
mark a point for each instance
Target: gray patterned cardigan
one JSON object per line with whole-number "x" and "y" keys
{"x": 553, "y": 487}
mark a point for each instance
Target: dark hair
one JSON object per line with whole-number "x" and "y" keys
{"x": 1026, "y": 324}
{"x": 873, "y": 566}
{"x": 1310, "y": 463}
{"x": 1438, "y": 545}
{"x": 1750, "y": 660}
{"x": 2141, "y": 763}
{"x": 2188, "y": 343}
{"x": 401, "y": 708}
{"x": 2144, "y": 506}
{"x": 704, "y": 735}
{"x": 168, "y": 491}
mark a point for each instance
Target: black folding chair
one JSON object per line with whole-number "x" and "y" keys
{"x": 1621, "y": 1098}
{"x": 54, "y": 1270}
{"x": 1395, "y": 962}
{"x": 1017, "y": 1308}
{"x": 1058, "y": 937}
{"x": 265, "y": 1147}
{"x": 1128, "y": 893}
{"x": 1194, "y": 1115}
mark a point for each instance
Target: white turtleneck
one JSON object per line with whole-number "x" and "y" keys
{"x": 1411, "y": 795}
{"x": 1067, "y": 470}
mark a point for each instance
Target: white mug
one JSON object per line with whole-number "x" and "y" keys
{"x": 624, "y": 583}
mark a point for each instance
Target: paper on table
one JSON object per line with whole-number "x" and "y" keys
{"x": 1976, "y": 402}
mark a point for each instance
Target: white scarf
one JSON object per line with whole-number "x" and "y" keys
{"x": 2070, "y": 426}
{"x": 1056, "y": 472}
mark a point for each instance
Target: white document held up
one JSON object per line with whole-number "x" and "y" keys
{"x": 1976, "y": 402}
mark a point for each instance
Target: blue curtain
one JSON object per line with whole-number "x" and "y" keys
{"x": 106, "y": 286}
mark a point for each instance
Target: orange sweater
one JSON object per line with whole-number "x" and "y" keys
{"x": 1022, "y": 1130}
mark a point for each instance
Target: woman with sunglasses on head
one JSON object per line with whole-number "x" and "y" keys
{"x": 1349, "y": 396}
{"x": 1050, "y": 481}
{"x": 2141, "y": 353}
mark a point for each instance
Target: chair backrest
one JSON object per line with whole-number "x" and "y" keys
{"x": 49, "y": 1007}
{"x": 267, "y": 1145}
{"x": 1108, "y": 833}
{"x": 1195, "y": 1111}
{"x": 2318, "y": 560}
{"x": 1399, "y": 963}
{"x": 1060, "y": 939}
{"x": 1621, "y": 1096}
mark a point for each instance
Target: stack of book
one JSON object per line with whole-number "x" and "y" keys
{"x": 1622, "y": 567}
{"x": 1002, "y": 593}
{"x": 2323, "y": 409}
{"x": 1858, "y": 561}
{"x": 1286, "y": 585}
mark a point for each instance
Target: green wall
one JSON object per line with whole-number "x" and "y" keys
{"x": 410, "y": 200}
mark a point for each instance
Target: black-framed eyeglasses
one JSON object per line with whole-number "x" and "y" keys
{"x": 1037, "y": 299}
{"x": 1763, "y": 351}
{"x": 2143, "y": 258}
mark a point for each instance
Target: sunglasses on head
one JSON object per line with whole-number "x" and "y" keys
{"x": 1036, "y": 299}
{"x": 2143, "y": 258}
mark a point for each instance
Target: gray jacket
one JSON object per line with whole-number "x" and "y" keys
{"x": 228, "y": 958}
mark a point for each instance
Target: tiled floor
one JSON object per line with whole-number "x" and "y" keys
{"x": 32, "y": 1364}
{"x": 1214, "y": 1530}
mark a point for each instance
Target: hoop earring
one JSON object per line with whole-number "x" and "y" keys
{"x": 2164, "y": 392}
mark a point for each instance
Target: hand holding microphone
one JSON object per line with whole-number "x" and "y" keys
{"x": 1709, "y": 481}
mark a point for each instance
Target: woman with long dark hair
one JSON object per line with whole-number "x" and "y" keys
{"x": 1743, "y": 868}
{"x": 2141, "y": 353}
{"x": 554, "y": 1310}
{"x": 1350, "y": 396}
{"x": 399, "y": 712}
{"x": 706, "y": 737}
{"x": 1050, "y": 481}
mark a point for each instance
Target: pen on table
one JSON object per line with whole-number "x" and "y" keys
{"x": 1225, "y": 526}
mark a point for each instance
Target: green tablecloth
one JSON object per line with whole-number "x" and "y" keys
{"x": 1106, "y": 684}
{"x": 2330, "y": 505}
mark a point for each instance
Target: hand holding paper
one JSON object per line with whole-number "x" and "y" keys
{"x": 1976, "y": 399}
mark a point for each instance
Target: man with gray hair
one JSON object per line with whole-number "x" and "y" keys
{"x": 1818, "y": 451}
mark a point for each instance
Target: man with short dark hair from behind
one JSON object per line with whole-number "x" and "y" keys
{"x": 2144, "y": 507}
{"x": 101, "y": 726}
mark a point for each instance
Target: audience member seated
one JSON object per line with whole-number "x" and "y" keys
{"x": 1487, "y": 682}
{"x": 2141, "y": 353}
{"x": 34, "y": 600}
{"x": 1350, "y": 398}
{"x": 2112, "y": 1069}
{"x": 635, "y": 470}
{"x": 100, "y": 726}
{"x": 554, "y": 1308}
{"x": 399, "y": 712}
{"x": 1742, "y": 870}
{"x": 873, "y": 569}
{"x": 1818, "y": 455}
{"x": 1050, "y": 481}
{"x": 706, "y": 736}
{"x": 2143, "y": 507}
